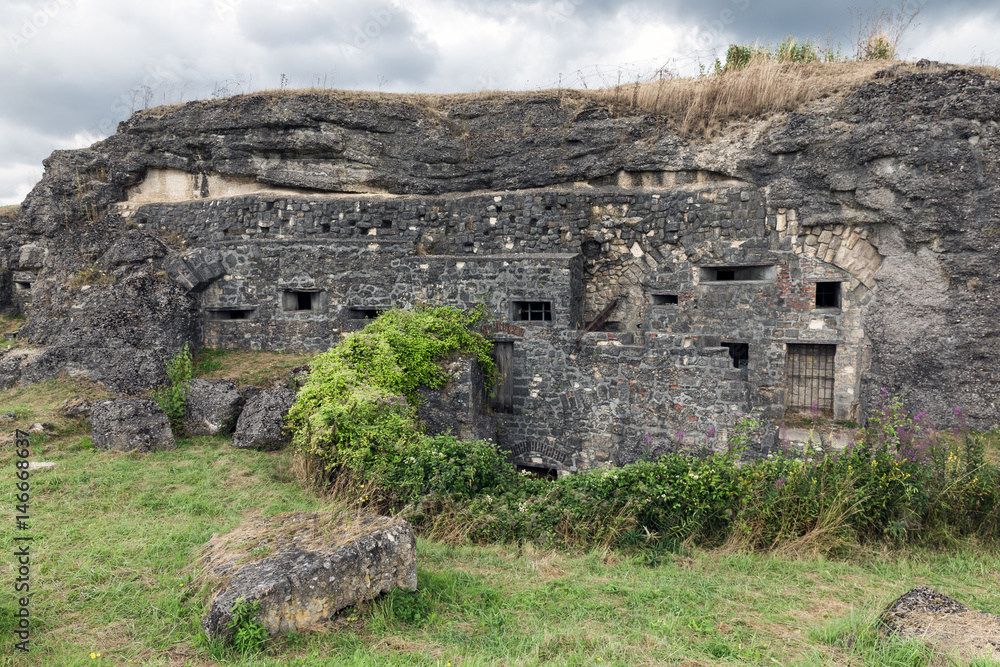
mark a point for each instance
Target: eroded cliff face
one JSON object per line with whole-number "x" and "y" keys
{"x": 124, "y": 250}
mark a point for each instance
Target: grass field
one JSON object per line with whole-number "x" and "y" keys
{"x": 116, "y": 538}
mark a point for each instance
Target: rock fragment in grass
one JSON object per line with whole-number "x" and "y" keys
{"x": 261, "y": 424}
{"x": 213, "y": 406}
{"x": 129, "y": 425}
{"x": 303, "y": 567}
{"x": 78, "y": 407}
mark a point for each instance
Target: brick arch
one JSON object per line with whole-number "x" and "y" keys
{"x": 523, "y": 452}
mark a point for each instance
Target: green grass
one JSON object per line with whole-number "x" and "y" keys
{"x": 247, "y": 367}
{"x": 116, "y": 535}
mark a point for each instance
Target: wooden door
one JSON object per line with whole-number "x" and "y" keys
{"x": 502, "y": 399}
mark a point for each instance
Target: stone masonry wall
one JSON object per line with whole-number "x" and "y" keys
{"x": 653, "y": 377}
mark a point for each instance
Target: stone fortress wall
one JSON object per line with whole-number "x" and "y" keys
{"x": 294, "y": 271}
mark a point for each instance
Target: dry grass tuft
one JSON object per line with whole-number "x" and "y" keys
{"x": 703, "y": 107}
{"x": 260, "y": 537}
{"x": 9, "y": 211}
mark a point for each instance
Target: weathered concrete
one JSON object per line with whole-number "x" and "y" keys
{"x": 213, "y": 406}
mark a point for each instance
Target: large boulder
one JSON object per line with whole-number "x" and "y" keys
{"x": 317, "y": 566}
{"x": 261, "y": 424}
{"x": 130, "y": 425}
{"x": 213, "y": 406}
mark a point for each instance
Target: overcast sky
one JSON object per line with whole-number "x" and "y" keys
{"x": 70, "y": 70}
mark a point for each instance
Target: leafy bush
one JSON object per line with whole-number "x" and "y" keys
{"x": 249, "y": 634}
{"x": 172, "y": 398}
{"x": 789, "y": 50}
{"x": 357, "y": 411}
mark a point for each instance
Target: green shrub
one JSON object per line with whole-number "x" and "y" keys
{"x": 357, "y": 410}
{"x": 900, "y": 482}
{"x": 445, "y": 465}
{"x": 249, "y": 634}
{"x": 172, "y": 398}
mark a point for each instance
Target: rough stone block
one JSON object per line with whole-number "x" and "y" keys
{"x": 318, "y": 566}
{"x": 261, "y": 424}
{"x": 129, "y": 425}
{"x": 213, "y": 406}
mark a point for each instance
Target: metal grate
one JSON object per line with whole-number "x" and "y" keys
{"x": 810, "y": 371}
{"x": 537, "y": 311}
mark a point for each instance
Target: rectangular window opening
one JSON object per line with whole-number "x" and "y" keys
{"x": 22, "y": 285}
{"x": 828, "y": 295}
{"x": 363, "y": 313}
{"x": 299, "y": 300}
{"x": 737, "y": 273}
{"x": 610, "y": 326}
{"x": 533, "y": 311}
{"x": 739, "y": 352}
{"x": 664, "y": 299}
{"x": 234, "y": 314}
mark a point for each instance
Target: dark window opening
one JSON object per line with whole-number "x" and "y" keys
{"x": 609, "y": 325}
{"x": 22, "y": 285}
{"x": 325, "y": 227}
{"x": 730, "y": 273}
{"x": 502, "y": 396}
{"x": 591, "y": 249}
{"x": 235, "y": 314}
{"x": 664, "y": 299}
{"x": 538, "y": 471}
{"x": 828, "y": 295}
{"x": 533, "y": 311}
{"x": 386, "y": 223}
{"x": 362, "y": 313}
{"x": 299, "y": 300}
{"x": 739, "y": 352}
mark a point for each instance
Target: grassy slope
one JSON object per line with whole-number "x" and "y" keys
{"x": 115, "y": 535}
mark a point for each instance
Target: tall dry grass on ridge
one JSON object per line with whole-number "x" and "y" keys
{"x": 703, "y": 106}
